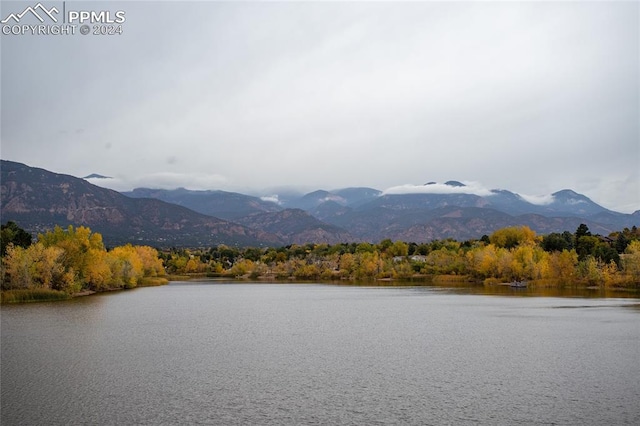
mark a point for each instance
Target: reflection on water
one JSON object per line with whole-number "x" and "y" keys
{"x": 242, "y": 353}
{"x": 505, "y": 290}
{"x": 466, "y": 287}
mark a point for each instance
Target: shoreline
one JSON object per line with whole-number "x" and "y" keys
{"x": 20, "y": 296}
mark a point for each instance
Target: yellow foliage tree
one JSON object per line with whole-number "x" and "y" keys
{"x": 562, "y": 266}
{"x": 631, "y": 262}
{"x": 193, "y": 265}
{"x": 17, "y": 268}
{"x": 242, "y": 267}
{"x": 79, "y": 245}
{"x": 151, "y": 263}
{"x": 513, "y": 236}
{"x": 347, "y": 265}
{"x": 368, "y": 264}
{"x": 483, "y": 261}
{"x": 126, "y": 266}
{"x": 37, "y": 267}
{"x": 75, "y": 258}
{"x": 97, "y": 272}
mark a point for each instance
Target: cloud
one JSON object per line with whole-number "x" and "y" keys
{"x": 271, "y": 199}
{"x": 162, "y": 180}
{"x": 620, "y": 192}
{"x": 538, "y": 200}
{"x": 278, "y": 94}
{"x": 474, "y": 188}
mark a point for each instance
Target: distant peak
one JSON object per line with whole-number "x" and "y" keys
{"x": 96, "y": 176}
{"x": 454, "y": 183}
{"x": 567, "y": 194}
{"x": 317, "y": 193}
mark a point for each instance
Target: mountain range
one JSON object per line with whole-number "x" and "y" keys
{"x": 37, "y": 200}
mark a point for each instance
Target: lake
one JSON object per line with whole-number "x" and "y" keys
{"x": 225, "y": 353}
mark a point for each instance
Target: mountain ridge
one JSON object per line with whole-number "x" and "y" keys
{"x": 38, "y": 200}
{"x": 183, "y": 217}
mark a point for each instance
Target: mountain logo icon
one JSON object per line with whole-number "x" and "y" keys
{"x": 38, "y": 11}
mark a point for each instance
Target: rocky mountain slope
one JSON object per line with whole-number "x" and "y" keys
{"x": 38, "y": 199}
{"x": 222, "y": 204}
{"x": 297, "y": 227}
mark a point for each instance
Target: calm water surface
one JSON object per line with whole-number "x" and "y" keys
{"x": 230, "y": 354}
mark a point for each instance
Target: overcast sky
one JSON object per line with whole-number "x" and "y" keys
{"x": 533, "y": 97}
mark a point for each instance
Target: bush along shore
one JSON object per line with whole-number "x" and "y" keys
{"x": 508, "y": 255}
{"x": 70, "y": 262}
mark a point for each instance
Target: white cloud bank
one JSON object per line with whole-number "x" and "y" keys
{"x": 163, "y": 180}
{"x": 474, "y": 188}
{"x": 469, "y": 187}
{"x": 538, "y": 200}
{"x": 271, "y": 199}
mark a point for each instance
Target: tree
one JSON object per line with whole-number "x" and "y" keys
{"x": 511, "y": 237}
{"x": 126, "y": 266}
{"x": 11, "y": 233}
{"x": 586, "y": 246}
{"x": 16, "y": 264}
{"x": 621, "y": 242}
{"x": 631, "y": 261}
{"x": 242, "y": 267}
{"x": 365, "y": 248}
{"x": 306, "y": 271}
{"x": 444, "y": 261}
{"x": 347, "y": 265}
{"x": 37, "y": 266}
{"x": 368, "y": 264}
{"x": 606, "y": 254}
{"x": 523, "y": 263}
{"x": 483, "y": 261}
{"x": 79, "y": 245}
{"x": 557, "y": 242}
{"x": 582, "y": 231}
{"x": 151, "y": 262}
{"x": 399, "y": 249}
{"x": 562, "y": 266}
{"x": 97, "y": 271}
{"x": 590, "y": 270}
{"x": 384, "y": 245}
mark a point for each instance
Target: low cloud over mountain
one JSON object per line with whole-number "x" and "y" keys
{"x": 38, "y": 200}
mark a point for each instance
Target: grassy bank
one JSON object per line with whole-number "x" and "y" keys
{"x": 34, "y": 295}
{"x": 47, "y": 295}
{"x": 152, "y": 281}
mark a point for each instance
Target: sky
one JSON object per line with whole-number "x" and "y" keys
{"x": 254, "y": 97}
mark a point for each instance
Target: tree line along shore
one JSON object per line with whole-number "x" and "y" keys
{"x": 62, "y": 263}
{"x": 73, "y": 261}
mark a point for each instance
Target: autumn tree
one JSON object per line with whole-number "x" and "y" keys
{"x": 151, "y": 263}
{"x": 242, "y": 267}
{"x": 79, "y": 246}
{"x": 37, "y": 266}
{"x": 126, "y": 266}
{"x": 562, "y": 266}
{"x": 631, "y": 261}
{"x": 399, "y": 249}
{"x": 347, "y": 265}
{"x": 511, "y": 237}
{"x": 483, "y": 261}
